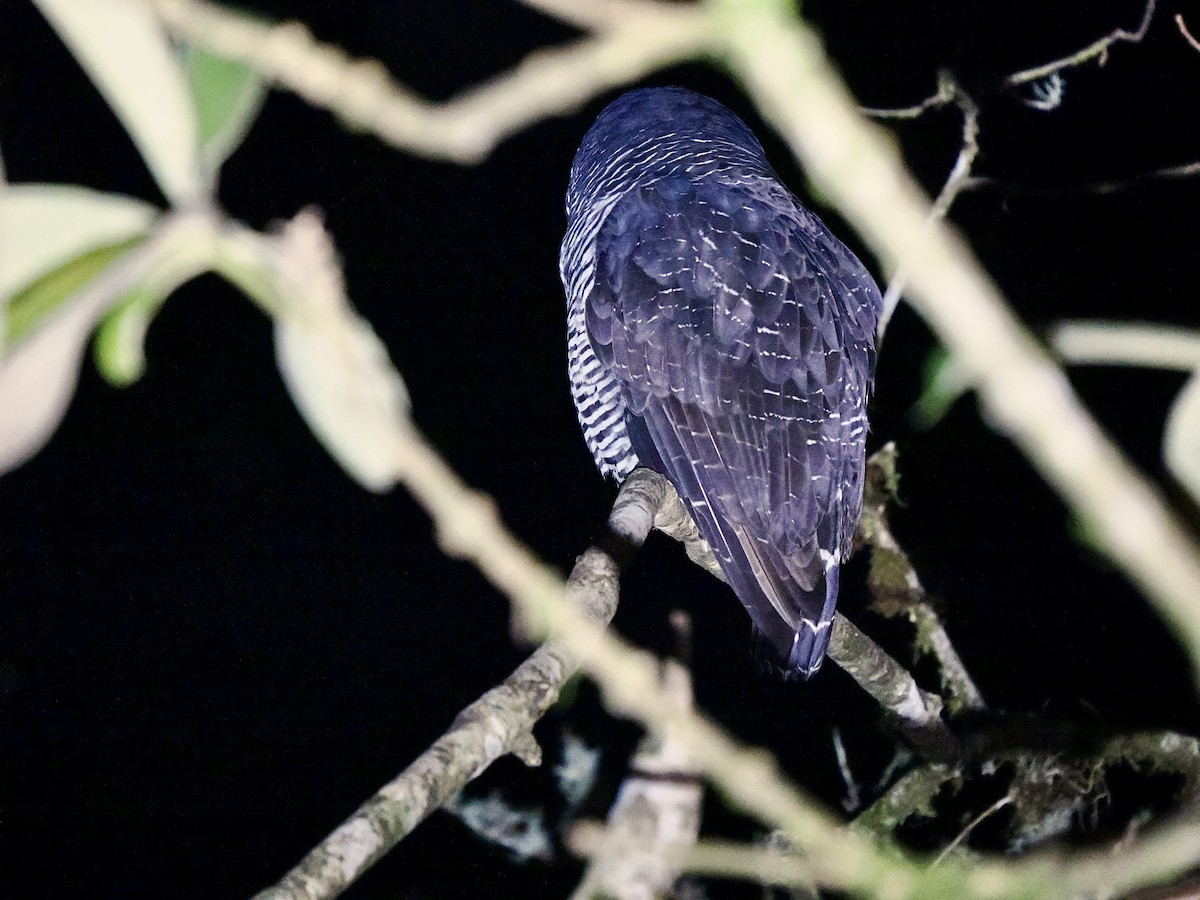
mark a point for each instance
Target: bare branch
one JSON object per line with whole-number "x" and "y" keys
{"x": 912, "y": 795}
{"x": 946, "y": 92}
{"x": 498, "y": 723}
{"x": 656, "y": 818}
{"x": 1098, "y": 50}
{"x": 897, "y": 589}
{"x": 1187, "y": 35}
{"x": 1112, "y": 186}
{"x": 966, "y": 832}
{"x": 1098, "y": 342}
{"x": 466, "y": 128}
{"x": 958, "y": 179}
{"x": 918, "y": 713}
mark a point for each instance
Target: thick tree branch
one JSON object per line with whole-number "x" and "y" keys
{"x": 897, "y": 589}
{"x": 497, "y": 723}
{"x": 656, "y": 818}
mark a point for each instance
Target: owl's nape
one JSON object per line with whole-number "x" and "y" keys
{"x": 719, "y": 334}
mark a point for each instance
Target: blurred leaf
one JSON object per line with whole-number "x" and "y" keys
{"x": 343, "y": 383}
{"x": 125, "y": 51}
{"x": 944, "y": 385}
{"x": 1181, "y": 437}
{"x": 228, "y": 96}
{"x": 37, "y": 381}
{"x": 43, "y": 226}
{"x": 27, "y": 308}
{"x": 336, "y": 368}
{"x": 119, "y": 347}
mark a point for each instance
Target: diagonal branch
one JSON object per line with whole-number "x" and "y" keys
{"x": 1187, "y": 35}
{"x": 917, "y": 712}
{"x": 656, "y": 817}
{"x": 498, "y": 723}
{"x": 896, "y": 588}
{"x": 1097, "y": 50}
{"x": 645, "y": 37}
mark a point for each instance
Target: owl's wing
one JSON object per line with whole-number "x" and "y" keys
{"x": 742, "y": 335}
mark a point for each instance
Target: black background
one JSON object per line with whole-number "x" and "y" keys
{"x": 214, "y": 645}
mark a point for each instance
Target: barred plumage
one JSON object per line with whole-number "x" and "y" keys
{"x": 721, "y": 335}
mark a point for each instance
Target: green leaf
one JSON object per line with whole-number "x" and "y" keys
{"x": 43, "y": 226}
{"x": 123, "y": 48}
{"x": 119, "y": 346}
{"x": 334, "y": 365}
{"x": 30, "y": 306}
{"x": 944, "y": 385}
{"x": 342, "y": 381}
{"x": 228, "y": 96}
{"x": 1181, "y": 437}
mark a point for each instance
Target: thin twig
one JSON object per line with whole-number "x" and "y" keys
{"x": 1111, "y": 186}
{"x": 896, "y": 588}
{"x": 956, "y": 182}
{"x": 965, "y": 833}
{"x": 1097, "y": 50}
{"x": 1187, "y": 35}
{"x": 945, "y": 93}
{"x": 852, "y": 801}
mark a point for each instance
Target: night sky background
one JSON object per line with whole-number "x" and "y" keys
{"x": 214, "y": 645}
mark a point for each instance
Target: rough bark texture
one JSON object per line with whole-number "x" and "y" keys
{"x": 497, "y": 723}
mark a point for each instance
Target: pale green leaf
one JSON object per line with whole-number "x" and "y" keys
{"x": 944, "y": 384}
{"x": 29, "y": 307}
{"x": 43, "y": 226}
{"x": 342, "y": 381}
{"x": 122, "y": 46}
{"x": 119, "y": 347}
{"x": 228, "y": 96}
{"x": 334, "y": 365}
{"x": 1181, "y": 437}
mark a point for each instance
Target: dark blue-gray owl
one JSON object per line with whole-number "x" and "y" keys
{"x": 718, "y": 333}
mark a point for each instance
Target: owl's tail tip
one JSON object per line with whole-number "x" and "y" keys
{"x": 803, "y": 660}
